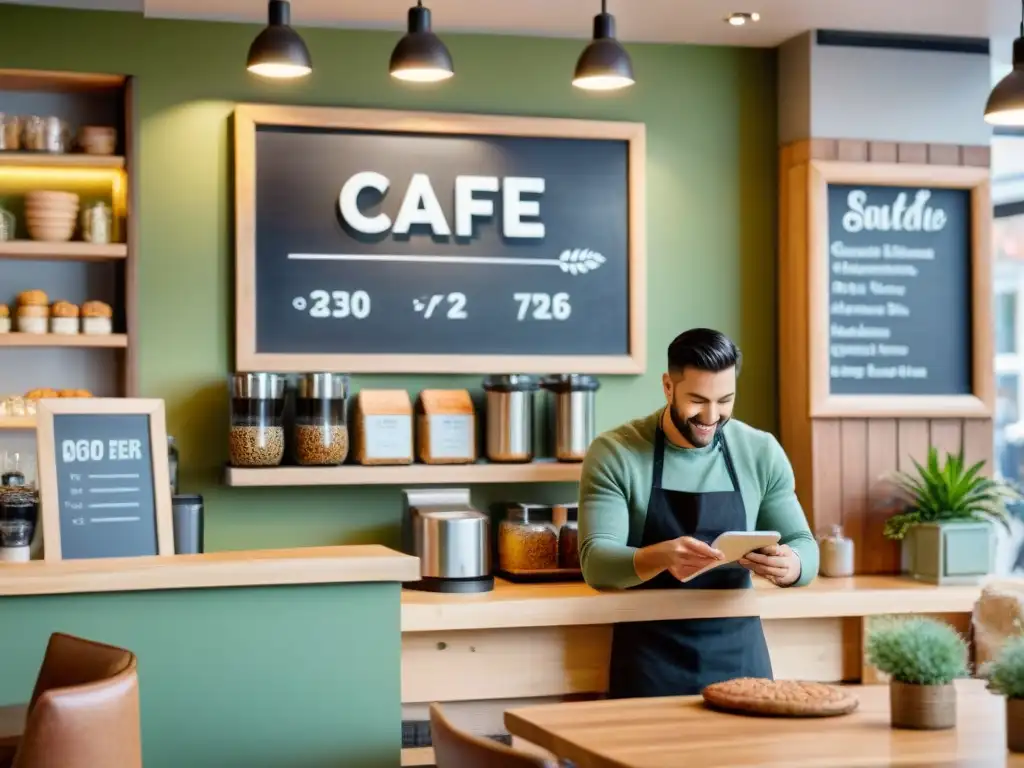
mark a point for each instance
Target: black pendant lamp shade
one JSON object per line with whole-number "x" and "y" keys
{"x": 604, "y": 64}
{"x": 420, "y": 56}
{"x": 1006, "y": 102}
{"x": 278, "y": 51}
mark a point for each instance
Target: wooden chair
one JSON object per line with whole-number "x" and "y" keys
{"x": 455, "y": 749}
{"x": 84, "y": 710}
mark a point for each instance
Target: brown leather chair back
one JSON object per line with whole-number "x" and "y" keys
{"x": 84, "y": 711}
{"x": 455, "y": 749}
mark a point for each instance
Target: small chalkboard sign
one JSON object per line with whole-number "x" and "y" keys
{"x": 402, "y": 242}
{"x": 103, "y": 477}
{"x": 899, "y": 316}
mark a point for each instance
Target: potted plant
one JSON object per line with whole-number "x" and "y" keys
{"x": 923, "y": 657}
{"x": 1005, "y": 676}
{"x": 946, "y": 527}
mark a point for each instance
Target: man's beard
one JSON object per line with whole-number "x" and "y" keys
{"x": 689, "y": 431}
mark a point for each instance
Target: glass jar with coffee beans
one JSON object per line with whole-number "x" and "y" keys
{"x": 256, "y": 438}
{"x": 321, "y": 429}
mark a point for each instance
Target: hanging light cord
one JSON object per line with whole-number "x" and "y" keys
{"x": 1021, "y": 18}
{"x": 604, "y": 9}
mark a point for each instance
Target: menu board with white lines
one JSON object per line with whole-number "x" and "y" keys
{"x": 105, "y": 485}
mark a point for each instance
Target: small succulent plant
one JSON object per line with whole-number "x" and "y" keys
{"x": 917, "y": 650}
{"x": 1005, "y": 672}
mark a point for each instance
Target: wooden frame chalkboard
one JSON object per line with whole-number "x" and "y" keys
{"x": 974, "y": 393}
{"x": 253, "y": 122}
{"x": 50, "y": 410}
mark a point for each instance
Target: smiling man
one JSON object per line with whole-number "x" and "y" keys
{"x": 657, "y": 491}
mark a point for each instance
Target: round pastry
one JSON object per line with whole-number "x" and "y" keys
{"x": 5, "y": 311}
{"x": 97, "y": 309}
{"x": 39, "y": 394}
{"x": 33, "y": 299}
{"x": 790, "y": 698}
{"x": 63, "y": 309}
{"x": 33, "y": 310}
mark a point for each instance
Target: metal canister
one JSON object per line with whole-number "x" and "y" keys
{"x": 97, "y": 223}
{"x": 510, "y": 417}
{"x": 574, "y": 408}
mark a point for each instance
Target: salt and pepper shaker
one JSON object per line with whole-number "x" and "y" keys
{"x": 836, "y": 550}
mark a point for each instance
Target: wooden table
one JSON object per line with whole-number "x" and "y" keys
{"x": 675, "y": 732}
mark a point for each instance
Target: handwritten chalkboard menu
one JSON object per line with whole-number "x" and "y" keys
{"x": 383, "y": 241}
{"x": 899, "y": 290}
{"x": 103, "y": 477}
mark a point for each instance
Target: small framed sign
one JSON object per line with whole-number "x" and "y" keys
{"x": 103, "y": 478}
{"x": 899, "y": 281}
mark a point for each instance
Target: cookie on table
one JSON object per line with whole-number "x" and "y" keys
{"x": 787, "y": 698}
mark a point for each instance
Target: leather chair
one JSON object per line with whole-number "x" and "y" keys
{"x": 455, "y": 749}
{"x": 84, "y": 710}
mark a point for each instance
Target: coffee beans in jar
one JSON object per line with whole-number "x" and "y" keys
{"x": 250, "y": 446}
{"x": 527, "y": 539}
{"x": 256, "y": 438}
{"x": 321, "y": 445}
{"x": 569, "y": 546}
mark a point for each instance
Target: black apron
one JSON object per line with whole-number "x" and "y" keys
{"x": 681, "y": 656}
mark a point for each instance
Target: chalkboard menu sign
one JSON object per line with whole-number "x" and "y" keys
{"x": 103, "y": 474}
{"x": 899, "y": 290}
{"x": 899, "y": 314}
{"x": 406, "y": 242}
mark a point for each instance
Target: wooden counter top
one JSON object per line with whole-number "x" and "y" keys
{"x": 673, "y": 732}
{"x": 540, "y": 605}
{"x": 255, "y": 568}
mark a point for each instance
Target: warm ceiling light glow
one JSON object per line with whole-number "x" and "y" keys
{"x": 420, "y": 56}
{"x": 604, "y": 64}
{"x": 739, "y": 19}
{"x": 279, "y": 52}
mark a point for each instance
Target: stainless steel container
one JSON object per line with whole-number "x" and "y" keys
{"x": 451, "y": 539}
{"x": 509, "y": 434}
{"x": 575, "y": 400}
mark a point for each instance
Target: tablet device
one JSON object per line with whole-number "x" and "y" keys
{"x": 735, "y": 545}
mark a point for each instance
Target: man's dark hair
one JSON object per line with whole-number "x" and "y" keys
{"x": 703, "y": 349}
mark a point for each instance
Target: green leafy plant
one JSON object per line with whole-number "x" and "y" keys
{"x": 1005, "y": 672}
{"x": 917, "y": 650}
{"x": 948, "y": 492}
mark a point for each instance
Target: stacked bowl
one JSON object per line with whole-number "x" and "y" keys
{"x": 51, "y": 215}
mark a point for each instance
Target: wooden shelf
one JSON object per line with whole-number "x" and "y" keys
{"x": 70, "y": 251}
{"x": 411, "y": 474}
{"x": 17, "y": 422}
{"x": 413, "y": 756}
{"x": 59, "y": 160}
{"x": 110, "y": 340}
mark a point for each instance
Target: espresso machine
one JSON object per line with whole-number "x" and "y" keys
{"x": 451, "y": 539}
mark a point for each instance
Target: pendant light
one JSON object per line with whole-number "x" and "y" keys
{"x": 278, "y": 51}
{"x": 604, "y": 64}
{"x": 420, "y": 56}
{"x": 1006, "y": 102}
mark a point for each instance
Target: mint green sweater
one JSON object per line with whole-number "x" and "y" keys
{"x": 616, "y": 486}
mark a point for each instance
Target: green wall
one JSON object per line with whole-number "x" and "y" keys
{"x": 710, "y": 116}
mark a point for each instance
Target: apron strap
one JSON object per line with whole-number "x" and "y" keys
{"x": 728, "y": 460}
{"x": 659, "y": 455}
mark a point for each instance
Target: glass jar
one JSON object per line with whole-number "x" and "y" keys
{"x": 10, "y": 132}
{"x": 97, "y": 223}
{"x": 257, "y": 420}
{"x": 172, "y": 464}
{"x": 19, "y": 514}
{"x": 321, "y": 426}
{"x": 527, "y": 539}
{"x": 836, "y": 553}
{"x": 568, "y": 536}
